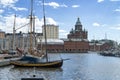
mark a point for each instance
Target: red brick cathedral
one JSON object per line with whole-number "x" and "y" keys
{"x": 78, "y": 33}
{"x": 77, "y": 39}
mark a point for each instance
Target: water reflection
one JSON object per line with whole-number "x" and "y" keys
{"x": 4, "y": 73}
{"x": 79, "y": 67}
{"x": 50, "y": 73}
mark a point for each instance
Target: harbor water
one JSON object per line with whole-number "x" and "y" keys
{"x": 86, "y": 66}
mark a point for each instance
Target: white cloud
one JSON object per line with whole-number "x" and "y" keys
{"x": 96, "y": 24}
{"x": 75, "y": 6}
{"x": 1, "y": 11}
{"x": 114, "y": 0}
{"x": 63, "y": 5}
{"x": 117, "y": 10}
{"x": 99, "y": 1}
{"x": 116, "y": 27}
{"x": 49, "y": 21}
{"x": 63, "y": 33}
{"x": 10, "y": 4}
{"x": 5, "y": 3}
{"x": 38, "y": 25}
{"x": 19, "y": 9}
{"x": 55, "y": 5}
{"x": 6, "y": 24}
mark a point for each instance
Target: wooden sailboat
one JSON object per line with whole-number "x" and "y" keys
{"x": 29, "y": 61}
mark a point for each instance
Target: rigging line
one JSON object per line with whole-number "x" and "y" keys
{"x": 22, "y": 26}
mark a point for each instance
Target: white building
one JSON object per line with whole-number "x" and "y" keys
{"x": 20, "y": 40}
{"x": 2, "y": 34}
{"x": 52, "y": 31}
{"x": 2, "y": 40}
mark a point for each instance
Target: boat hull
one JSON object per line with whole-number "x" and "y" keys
{"x": 51, "y": 64}
{"x": 32, "y": 79}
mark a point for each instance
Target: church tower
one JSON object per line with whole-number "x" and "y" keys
{"x": 77, "y": 41}
{"x": 78, "y": 25}
{"x": 78, "y": 32}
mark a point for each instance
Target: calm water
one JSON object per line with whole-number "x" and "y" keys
{"x": 80, "y": 67}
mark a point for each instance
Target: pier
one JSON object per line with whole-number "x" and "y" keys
{"x": 5, "y": 62}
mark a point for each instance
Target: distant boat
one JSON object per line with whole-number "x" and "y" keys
{"x": 30, "y": 61}
{"x": 106, "y": 53}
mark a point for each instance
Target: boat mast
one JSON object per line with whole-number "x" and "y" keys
{"x": 45, "y": 31}
{"x": 31, "y": 27}
{"x": 34, "y": 34}
{"x": 14, "y": 32}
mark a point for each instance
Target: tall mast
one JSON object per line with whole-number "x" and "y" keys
{"x": 45, "y": 31}
{"x": 34, "y": 34}
{"x": 14, "y": 32}
{"x": 31, "y": 26}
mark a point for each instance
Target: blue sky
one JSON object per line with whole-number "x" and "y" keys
{"x": 98, "y": 17}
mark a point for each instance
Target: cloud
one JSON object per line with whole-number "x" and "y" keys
{"x": 38, "y": 25}
{"x": 1, "y": 11}
{"x": 63, "y": 33}
{"x": 55, "y": 5}
{"x": 19, "y": 9}
{"x": 6, "y": 3}
{"x": 11, "y": 4}
{"x": 117, "y": 10}
{"x": 99, "y": 1}
{"x": 75, "y": 6}
{"x": 114, "y": 0}
{"x": 63, "y": 5}
{"x": 116, "y": 27}
{"x": 6, "y": 23}
{"x": 96, "y": 24}
{"x": 49, "y": 21}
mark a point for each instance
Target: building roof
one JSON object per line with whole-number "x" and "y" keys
{"x": 78, "y": 22}
{"x": 76, "y": 40}
{"x": 53, "y": 41}
{"x": 95, "y": 44}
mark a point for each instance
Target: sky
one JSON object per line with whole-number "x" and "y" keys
{"x": 101, "y": 18}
